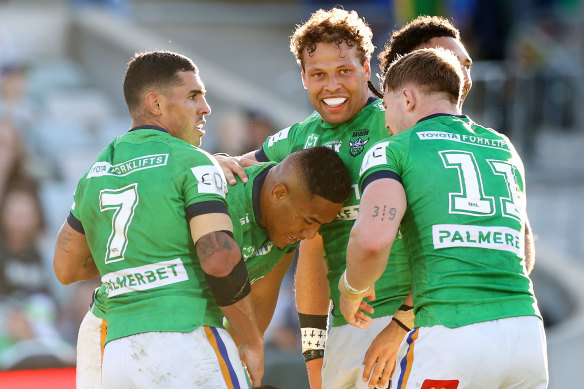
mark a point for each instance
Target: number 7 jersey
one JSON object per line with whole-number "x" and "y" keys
{"x": 464, "y": 225}
{"x": 134, "y": 206}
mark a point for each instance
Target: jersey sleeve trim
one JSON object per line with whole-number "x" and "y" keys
{"x": 75, "y": 223}
{"x": 205, "y": 207}
{"x": 378, "y": 175}
{"x": 261, "y": 156}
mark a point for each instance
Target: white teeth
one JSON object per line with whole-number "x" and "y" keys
{"x": 335, "y": 101}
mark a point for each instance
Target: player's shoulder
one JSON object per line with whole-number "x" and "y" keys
{"x": 255, "y": 170}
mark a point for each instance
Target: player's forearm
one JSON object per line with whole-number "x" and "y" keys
{"x": 311, "y": 284}
{"x": 314, "y": 369}
{"x": 266, "y": 290}
{"x": 366, "y": 261}
{"x": 242, "y": 320}
{"x": 250, "y": 155}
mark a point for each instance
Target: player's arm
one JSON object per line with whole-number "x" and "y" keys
{"x": 529, "y": 247}
{"x": 312, "y": 304}
{"x": 381, "y": 209}
{"x": 228, "y": 279}
{"x": 72, "y": 259}
{"x": 264, "y": 294}
{"x": 233, "y": 166}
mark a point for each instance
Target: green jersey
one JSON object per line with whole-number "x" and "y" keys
{"x": 464, "y": 225}
{"x": 99, "y": 302}
{"x": 258, "y": 251}
{"x": 134, "y": 206}
{"x": 243, "y": 201}
{"x": 350, "y": 140}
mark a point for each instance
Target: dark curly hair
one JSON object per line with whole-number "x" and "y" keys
{"x": 324, "y": 173}
{"x": 412, "y": 36}
{"x": 333, "y": 26}
{"x": 154, "y": 69}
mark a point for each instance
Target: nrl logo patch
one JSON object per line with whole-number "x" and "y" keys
{"x": 357, "y": 146}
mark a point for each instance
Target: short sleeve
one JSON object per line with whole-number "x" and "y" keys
{"x": 279, "y": 146}
{"x": 202, "y": 181}
{"x": 380, "y": 161}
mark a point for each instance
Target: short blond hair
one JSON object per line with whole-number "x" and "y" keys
{"x": 435, "y": 70}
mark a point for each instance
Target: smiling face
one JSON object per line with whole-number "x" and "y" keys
{"x": 294, "y": 214}
{"x": 336, "y": 81}
{"x": 184, "y": 108}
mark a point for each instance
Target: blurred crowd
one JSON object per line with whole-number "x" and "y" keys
{"x": 29, "y": 313}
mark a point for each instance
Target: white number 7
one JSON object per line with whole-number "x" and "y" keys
{"x": 123, "y": 201}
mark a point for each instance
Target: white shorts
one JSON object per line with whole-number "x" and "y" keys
{"x": 344, "y": 353}
{"x": 204, "y": 358}
{"x": 90, "y": 341}
{"x": 506, "y": 353}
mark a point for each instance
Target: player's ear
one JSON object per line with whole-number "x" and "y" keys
{"x": 409, "y": 97}
{"x": 153, "y": 101}
{"x": 279, "y": 192}
{"x": 303, "y": 75}
{"x": 367, "y": 69}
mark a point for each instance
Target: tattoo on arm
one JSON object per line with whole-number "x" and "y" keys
{"x": 88, "y": 263}
{"x": 384, "y": 212}
{"x": 214, "y": 243}
{"x": 63, "y": 241}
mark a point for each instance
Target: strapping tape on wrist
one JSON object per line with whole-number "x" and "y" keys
{"x": 404, "y": 317}
{"x": 313, "y": 332}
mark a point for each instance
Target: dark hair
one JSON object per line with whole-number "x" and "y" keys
{"x": 324, "y": 173}
{"x": 413, "y": 35}
{"x": 154, "y": 69}
{"x": 333, "y": 26}
{"x": 435, "y": 70}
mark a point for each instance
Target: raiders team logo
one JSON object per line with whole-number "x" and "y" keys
{"x": 357, "y": 145}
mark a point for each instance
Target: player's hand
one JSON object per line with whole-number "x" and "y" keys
{"x": 233, "y": 166}
{"x": 354, "y": 311}
{"x": 253, "y": 360}
{"x": 380, "y": 357}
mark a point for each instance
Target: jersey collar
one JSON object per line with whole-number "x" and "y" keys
{"x": 258, "y": 184}
{"x": 435, "y": 115}
{"x": 148, "y": 128}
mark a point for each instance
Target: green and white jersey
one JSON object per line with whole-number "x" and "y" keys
{"x": 134, "y": 206}
{"x": 464, "y": 226}
{"x": 350, "y": 140}
{"x": 258, "y": 251}
{"x": 243, "y": 201}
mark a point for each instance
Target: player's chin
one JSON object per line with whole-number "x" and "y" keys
{"x": 197, "y": 141}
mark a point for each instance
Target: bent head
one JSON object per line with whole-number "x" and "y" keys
{"x": 304, "y": 191}
{"x": 164, "y": 88}
{"x": 431, "y": 76}
{"x": 333, "y": 49}
{"x": 427, "y": 32}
